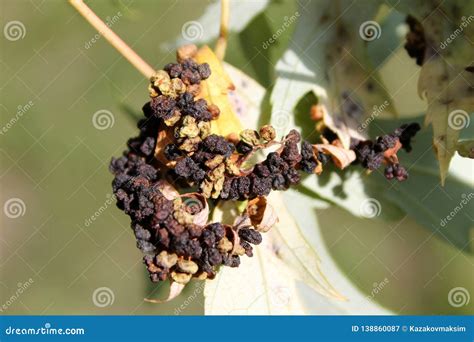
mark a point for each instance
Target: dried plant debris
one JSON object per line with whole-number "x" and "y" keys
{"x": 176, "y": 151}
{"x": 415, "y": 40}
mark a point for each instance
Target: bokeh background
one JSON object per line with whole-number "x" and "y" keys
{"x": 56, "y": 162}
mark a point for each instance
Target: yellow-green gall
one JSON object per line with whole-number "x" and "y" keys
{"x": 218, "y": 185}
{"x": 214, "y": 162}
{"x": 188, "y": 266}
{"x": 189, "y": 128}
{"x": 190, "y": 144}
{"x": 206, "y": 188}
{"x": 204, "y": 129}
{"x": 173, "y": 119}
{"x": 250, "y": 137}
{"x": 231, "y": 168}
{"x": 225, "y": 245}
{"x": 166, "y": 260}
{"x": 267, "y": 133}
{"x": 181, "y": 278}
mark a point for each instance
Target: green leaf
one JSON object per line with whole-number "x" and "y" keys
{"x": 206, "y": 28}
{"x": 421, "y": 196}
{"x": 285, "y": 275}
{"x": 340, "y": 75}
{"x": 257, "y": 48}
{"x": 309, "y": 226}
{"x": 354, "y": 191}
{"x": 346, "y": 188}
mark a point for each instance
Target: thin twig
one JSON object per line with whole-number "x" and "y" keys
{"x": 113, "y": 39}
{"x": 221, "y": 44}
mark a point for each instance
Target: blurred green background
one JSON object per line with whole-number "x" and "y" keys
{"x": 56, "y": 162}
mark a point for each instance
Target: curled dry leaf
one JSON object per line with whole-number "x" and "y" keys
{"x": 341, "y": 157}
{"x": 242, "y": 221}
{"x": 165, "y": 136}
{"x": 167, "y": 190}
{"x": 175, "y": 291}
{"x": 391, "y": 153}
{"x": 196, "y": 204}
{"x": 215, "y": 91}
{"x": 262, "y": 215}
{"x": 235, "y": 237}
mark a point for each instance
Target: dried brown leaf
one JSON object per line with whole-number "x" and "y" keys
{"x": 175, "y": 291}
{"x": 167, "y": 190}
{"x": 262, "y": 215}
{"x": 341, "y": 157}
{"x": 165, "y": 136}
{"x": 197, "y": 200}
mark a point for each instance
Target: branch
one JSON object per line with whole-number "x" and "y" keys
{"x": 112, "y": 38}
{"x": 221, "y": 43}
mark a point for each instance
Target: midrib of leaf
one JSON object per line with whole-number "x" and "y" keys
{"x": 329, "y": 290}
{"x": 264, "y": 280}
{"x": 445, "y": 152}
{"x": 215, "y": 290}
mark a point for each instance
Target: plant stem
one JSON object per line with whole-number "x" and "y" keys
{"x": 113, "y": 38}
{"x": 221, "y": 44}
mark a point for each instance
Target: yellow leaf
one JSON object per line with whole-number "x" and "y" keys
{"x": 215, "y": 91}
